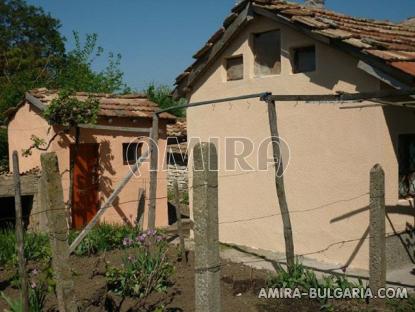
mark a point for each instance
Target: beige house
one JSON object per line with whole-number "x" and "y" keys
{"x": 105, "y": 154}
{"x": 289, "y": 49}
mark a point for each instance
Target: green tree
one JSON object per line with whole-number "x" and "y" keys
{"x": 31, "y": 50}
{"x": 77, "y": 73}
{"x": 32, "y": 55}
{"x": 161, "y": 95}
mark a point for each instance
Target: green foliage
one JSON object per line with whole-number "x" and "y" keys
{"x": 36, "y": 247}
{"x": 31, "y": 50}
{"x": 37, "y": 299}
{"x": 32, "y": 55}
{"x": 77, "y": 73}
{"x": 402, "y": 305}
{"x": 103, "y": 237}
{"x": 161, "y": 95}
{"x": 15, "y": 305}
{"x": 145, "y": 271}
{"x": 305, "y": 279}
{"x": 67, "y": 111}
{"x": 4, "y": 151}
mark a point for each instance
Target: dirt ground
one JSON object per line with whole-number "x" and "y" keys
{"x": 239, "y": 289}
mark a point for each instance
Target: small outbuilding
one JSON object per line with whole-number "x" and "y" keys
{"x": 105, "y": 153}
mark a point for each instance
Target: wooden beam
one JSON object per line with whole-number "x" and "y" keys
{"x": 336, "y": 43}
{"x": 20, "y": 235}
{"x": 115, "y": 128}
{"x": 153, "y": 172}
{"x": 245, "y": 16}
{"x": 382, "y": 76}
{"x": 107, "y": 203}
{"x": 35, "y": 101}
{"x": 279, "y": 184}
{"x": 361, "y": 96}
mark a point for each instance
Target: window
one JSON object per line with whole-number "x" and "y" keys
{"x": 131, "y": 152}
{"x": 304, "y": 60}
{"x": 235, "y": 68}
{"x": 267, "y": 51}
{"x": 406, "y": 158}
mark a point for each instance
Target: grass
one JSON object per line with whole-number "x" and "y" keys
{"x": 36, "y": 247}
{"x": 103, "y": 237}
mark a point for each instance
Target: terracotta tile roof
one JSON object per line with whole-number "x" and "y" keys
{"x": 34, "y": 172}
{"x": 129, "y": 105}
{"x": 391, "y": 44}
{"x": 178, "y": 129}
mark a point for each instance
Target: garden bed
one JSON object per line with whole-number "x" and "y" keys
{"x": 100, "y": 263}
{"x": 240, "y": 287}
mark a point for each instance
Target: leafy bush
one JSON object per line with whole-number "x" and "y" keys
{"x": 161, "y": 95}
{"x": 67, "y": 111}
{"x": 103, "y": 237}
{"x": 146, "y": 270}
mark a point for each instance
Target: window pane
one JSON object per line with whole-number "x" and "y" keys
{"x": 131, "y": 152}
{"x": 304, "y": 59}
{"x": 406, "y": 158}
{"x": 235, "y": 68}
{"x": 267, "y": 50}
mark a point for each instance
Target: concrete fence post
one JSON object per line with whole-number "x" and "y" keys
{"x": 206, "y": 229}
{"x": 377, "y": 245}
{"x": 58, "y": 233}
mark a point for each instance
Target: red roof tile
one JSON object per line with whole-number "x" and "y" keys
{"x": 130, "y": 105}
{"x": 383, "y": 40}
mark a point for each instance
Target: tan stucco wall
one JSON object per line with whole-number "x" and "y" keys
{"x": 332, "y": 152}
{"x": 27, "y": 122}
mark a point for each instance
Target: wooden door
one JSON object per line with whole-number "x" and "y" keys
{"x": 85, "y": 200}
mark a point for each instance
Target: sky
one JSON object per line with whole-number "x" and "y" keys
{"x": 157, "y": 38}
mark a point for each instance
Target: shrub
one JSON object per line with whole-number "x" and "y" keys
{"x": 145, "y": 271}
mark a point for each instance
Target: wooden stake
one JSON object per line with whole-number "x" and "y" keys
{"x": 19, "y": 233}
{"x": 179, "y": 221}
{"x": 153, "y": 172}
{"x": 279, "y": 184}
{"x": 58, "y": 233}
{"x": 140, "y": 208}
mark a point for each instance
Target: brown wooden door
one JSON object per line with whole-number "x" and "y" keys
{"x": 85, "y": 200}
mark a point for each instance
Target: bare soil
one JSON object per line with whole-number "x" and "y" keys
{"x": 240, "y": 287}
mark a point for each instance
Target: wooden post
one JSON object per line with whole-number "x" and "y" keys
{"x": 19, "y": 233}
{"x": 153, "y": 172}
{"x": 140, "y": 208}
{"x": 279, "y": 184}
{"x": 377, "y": 244}
{"x": 206, "y": 229}
{"x": 179, "y": 220}
{"x": 107, "y": 203}
{"x": 58, "y": 233}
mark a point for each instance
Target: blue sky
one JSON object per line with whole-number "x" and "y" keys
{"x": 158, "y": 38}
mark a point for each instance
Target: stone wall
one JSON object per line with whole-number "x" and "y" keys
{"x": 177, "y": 173}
